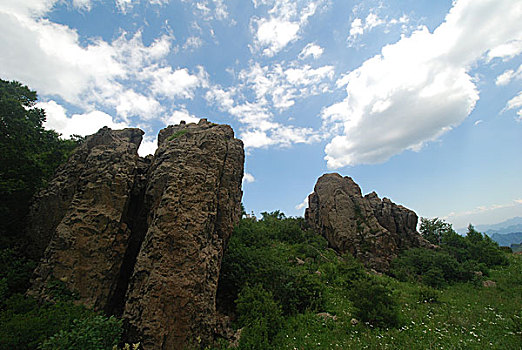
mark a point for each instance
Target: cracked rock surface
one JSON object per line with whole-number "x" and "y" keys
{"x": 372, "y": 230}
{"x": 143, "y": 237}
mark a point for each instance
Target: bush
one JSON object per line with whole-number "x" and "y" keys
{"x": 24, "y": 325}
{"x": 428, "y": 295}
{"x": 93, "y": 333}
{"x": 260, "y": 315}
{"x": 15, "y": 273}
{"x": 374, "y": 303}
{"x": 264, "y": 252}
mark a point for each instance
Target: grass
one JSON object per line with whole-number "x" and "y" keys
{"x": 177, "y": 134}
{"x": 467, "y": 316}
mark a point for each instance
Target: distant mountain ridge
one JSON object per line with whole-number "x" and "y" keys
{"x": 507, "y": 239}
{"x": 504, "y": 233}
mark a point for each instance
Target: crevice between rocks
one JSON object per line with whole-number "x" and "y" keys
{"x": 136, "y": 219}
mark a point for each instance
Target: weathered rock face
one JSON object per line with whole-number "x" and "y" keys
{"x": 372, "y": 230}
{"x": 194, "y": 195}
{"x": 85, "y": 223}
{"x": 143, "y": 237}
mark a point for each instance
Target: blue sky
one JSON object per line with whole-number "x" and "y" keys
{"x": 419, "y": 101}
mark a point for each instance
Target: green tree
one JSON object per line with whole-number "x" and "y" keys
{"x": 434, "y": 229}
{"x": 29, "y": 154}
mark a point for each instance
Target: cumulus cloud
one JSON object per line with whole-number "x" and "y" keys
{"x": 506, "y": 51}
{"x": 418, "y": 88}
{"x": 180, "y": 115}
{"x": 248, "y": 178}
{"x": 77, "y": 124}
{"x": 52, "y": 59}
{"x": 148, "y": 146}
{"x": 281, "y": 27}
{"x": 171, "y": 83}
{"x": 311, "y": 49}
{"x": 274, "y": 87}
{"x": 360, "y": 26}
{"x": 507, "y": 76}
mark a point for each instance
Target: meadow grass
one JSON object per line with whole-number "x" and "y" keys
{"x": 466, "y": 316}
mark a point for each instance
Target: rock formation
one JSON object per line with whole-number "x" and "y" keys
{"x": 371, "y": 229}
{"x": 143, "y": 237}
{"x": 91, "y": 193}
{"x": 193, "y": 196}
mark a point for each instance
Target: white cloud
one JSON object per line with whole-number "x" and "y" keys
{"x": 276, "y": 87}
{"x": 82, "y": 4}
{"x": 282, "y": 26}
{"x": 311, "y": 49}
{"x": 359, "y": 26}
{"x": 418, "y": 88}
{"x": 148, "y": 145}
{"x": 485, "y": 214}
{"x": 516, "y": 103}
{"x": 274, "y": 34}
{"x": 507, "y": 50}
{"x": 507, "y": 76}
{"x": 129, "y": 103}
{"x": 168, "y": 83}
{"x": 248, "y": 178}
{"x": 180, "y": 115}
{"x": 192, "y": 43}
{"x": 303, "y": 204}
{"x": 79, "y": 124}
{"x": 50, "y": 58}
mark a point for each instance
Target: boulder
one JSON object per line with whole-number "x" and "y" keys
{"x": 371, "y": 229}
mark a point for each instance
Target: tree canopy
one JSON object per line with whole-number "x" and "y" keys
{"x": 29, "y": 153}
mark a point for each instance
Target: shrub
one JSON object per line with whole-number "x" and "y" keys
{"x": 428, "y": 295}
{"x": 260, "y": 314}
{"x": 374, "y": 303}
{"x": 15, "y": 273}
{"x": 263, "y": 252}
{"x": 302, "y": 292}
{"x": 24, "y": 325}
{"x": 92, "y": 333}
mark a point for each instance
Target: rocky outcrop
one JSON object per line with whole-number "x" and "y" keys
{"x": 88, "y": 242}
{"x": 143, "y": 237}
{"x": 194, "y": 195}
{"x": 372, "y": 230}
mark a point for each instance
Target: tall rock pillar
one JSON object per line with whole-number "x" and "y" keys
{"x": 194, "y": 200}
{"x": 80, "y": 217}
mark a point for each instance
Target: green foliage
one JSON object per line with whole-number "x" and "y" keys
{"x": 25, "y": 325}
{"x": 374, "y": 303}
{"x": 59, "y": 291}
{"x": 459, "y": 258}
{"x": 428, "y": 295}
{"x": 431, "y": 267}
{"x": 264, "y": 253}
{"x": 434, "y": 229}
{"x": 177, "y": 134}
{"x": 29, "y": 154}
{"x": 260, "y": 314}
{"x": 15, "y": 272}
{"x": 92, "y": 333}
